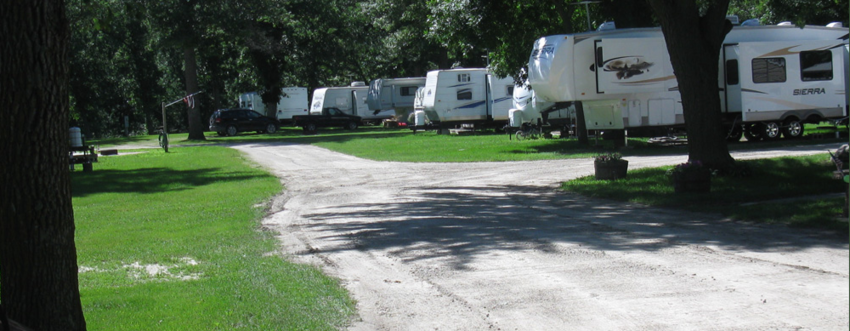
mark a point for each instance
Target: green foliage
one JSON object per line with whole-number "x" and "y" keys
{"x": 608, "y": 157}
{"x": 172, "y": 242}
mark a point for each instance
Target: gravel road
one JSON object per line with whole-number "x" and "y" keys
{"x": 495, "y": 246}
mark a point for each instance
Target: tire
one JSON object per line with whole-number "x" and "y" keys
{"x": 753, "y": 132}
{"x": 520, "y": 135}
{"x": 792, "y": 128}
{"x": 232, "y": 130}
{"x": 735, "y": 134}
{"x": 271, "y": 128}
{"x": 771, "y": 130}
{"x": 310, "y": 127}
{"x": 351, "y": 126}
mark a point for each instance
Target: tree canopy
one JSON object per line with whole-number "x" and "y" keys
{"x": 128, "y": 57}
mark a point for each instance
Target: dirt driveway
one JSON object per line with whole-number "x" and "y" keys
{"x": 494, "y": 246}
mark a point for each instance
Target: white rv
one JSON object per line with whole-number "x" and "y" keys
{"x": 349, "y": 99}
{"x": 772, "y": 78}
{"x": 394, "y": 94}
{"x": 293, "y": 101}
{"x": 465, "y": 96}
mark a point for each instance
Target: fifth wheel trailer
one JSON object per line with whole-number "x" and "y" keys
{"x": 772, "y": 79}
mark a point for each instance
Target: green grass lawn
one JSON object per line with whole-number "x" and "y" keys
{"x": 173, "y": 242}
{"x": 754, "y": 198}
{"x": 382, "y": 144}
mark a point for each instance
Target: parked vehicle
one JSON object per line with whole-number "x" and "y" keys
{"x": 463, "y": 96}
{"x": 329, "y": 117}
{"x": 293, "y": 101}
{"x": 394, "y": 94}
{"x": 348, "y": 99}
{"x": 772, "y": 79}
{"x": 232, "y": 121}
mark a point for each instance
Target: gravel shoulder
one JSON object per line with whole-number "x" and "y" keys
{"x": 479, "y": 246}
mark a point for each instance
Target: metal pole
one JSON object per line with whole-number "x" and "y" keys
{"x": 164, "y": 125}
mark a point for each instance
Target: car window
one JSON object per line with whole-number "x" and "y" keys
{"x": 253, "y": 114}
{"x": 334, "y": 111}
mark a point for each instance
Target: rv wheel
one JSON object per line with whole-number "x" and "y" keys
{"x": 753, "y": 132}
{"x": 792, "y": 129}
{"x": 771, "y": 130}
{"x": 735, "y": 134}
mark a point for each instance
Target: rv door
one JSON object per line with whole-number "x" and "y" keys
{"x": 730, "y": 80}
{"x": 374, "y": 98}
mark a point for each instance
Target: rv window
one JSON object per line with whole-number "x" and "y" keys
{"x": 816, "y": 65}
{"x": 463, "y": 78}
{"x": 408, "y": 91}
{"x": 599, "y": 60}
{"x": 510, "y": 90}
{"x": 769, "y": 70}
{"x": 732, "y": 72}
{"x": 464, "y": 94}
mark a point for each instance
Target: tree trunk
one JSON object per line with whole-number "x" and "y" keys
{"x": 38, "y": 257}
{"x": 694, "y": 44}
{"x": 196, "y": 129}
{"x": 566, "y": 16}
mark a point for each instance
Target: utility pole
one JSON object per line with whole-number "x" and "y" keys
{"x": 586, "y": 11}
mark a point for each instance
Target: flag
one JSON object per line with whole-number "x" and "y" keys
{"x": 190, "y": 100}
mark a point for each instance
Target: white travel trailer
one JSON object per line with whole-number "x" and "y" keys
{"x": 772, "y": 78}
{"x": 349, "y": 99}
{"x": 394, "y": 94}
{"x": 464, "y": 96}
{"x": 293, "y": 101}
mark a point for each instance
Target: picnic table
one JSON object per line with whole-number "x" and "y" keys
{"x": 84, "y": 155}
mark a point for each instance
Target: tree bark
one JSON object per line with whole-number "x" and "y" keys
{"x": 694, "y": 43}
{"x": 196, "y": 129}
{"x": 38, "y": 259}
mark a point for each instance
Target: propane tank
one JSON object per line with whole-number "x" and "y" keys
{"x": 76, "y": 137}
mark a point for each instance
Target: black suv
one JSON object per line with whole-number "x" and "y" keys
{"x": 232, "y": 121}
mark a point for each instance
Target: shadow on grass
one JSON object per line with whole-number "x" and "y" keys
{"x": 459, "y": 223}
{"x": 148, "y": 180}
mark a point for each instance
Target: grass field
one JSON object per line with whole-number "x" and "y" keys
{"x": 173, "y": 242}
{"x": 759, "y": 197}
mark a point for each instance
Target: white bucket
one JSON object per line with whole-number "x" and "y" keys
{"x": 515, "y": 116}
{"x": 76, "y": 137}
{"x": 419, "y": 118}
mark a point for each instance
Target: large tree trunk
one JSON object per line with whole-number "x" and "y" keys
{"x": 694, "y": 44}
{"x": 196, "y": 129}
{"x": 38, "y": 257}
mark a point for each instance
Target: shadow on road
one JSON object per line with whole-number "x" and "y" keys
{"x": 462, "y": 222}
